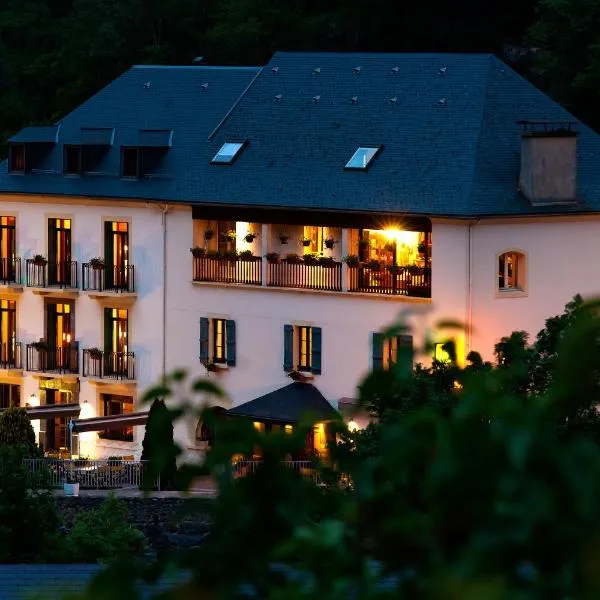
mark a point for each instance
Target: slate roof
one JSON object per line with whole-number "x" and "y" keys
{"x": 447, "y": 123}
{"x": 288, "y": 404}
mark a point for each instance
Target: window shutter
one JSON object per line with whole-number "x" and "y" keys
{"x": 377, "y": 356}
{"x": 230, "y": 341}
{"x": 288, "y": 347}
{"x": 405, "y": 354}
{"x": 316, "y": 351}
{"x": 203, "y": 339}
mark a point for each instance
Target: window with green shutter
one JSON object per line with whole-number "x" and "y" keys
{"x": 302, "y": 348}
{"x": 204, "y": 337}
{"x": 316, "y": 350}
{"x": 288, "y": 348}
{"x": 378, "y": 340}
{"x": 230, "y": 342}
{"x": 387, "y": 352}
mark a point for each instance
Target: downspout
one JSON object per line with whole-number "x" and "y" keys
{"x": 165, "y": 209}
{"x": 470, "y": 288}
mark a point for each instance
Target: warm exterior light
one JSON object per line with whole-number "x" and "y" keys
{"x": 353, "y": 426}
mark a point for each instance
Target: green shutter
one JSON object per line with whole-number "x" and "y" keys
{"x": 316, "y": 351}
{"x": 108, "y": 256}
{"x": 377, "y": 354}
{"x": 405, "y": 354}
{"x": 288, "y": 347}
{"x": 203, "y": 339}
{"x": 230, "y": 340}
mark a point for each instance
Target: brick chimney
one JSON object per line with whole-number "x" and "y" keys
{"x": 548, "y": 162}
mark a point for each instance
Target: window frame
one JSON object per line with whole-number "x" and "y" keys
{"x": 519, "y": 276}
{"x": 241, "y": 145}
{"x": 219, "y": 340}
{"x": 304, "y": 360}
{"x": 377, "y": 151}
{"x": 11, "y": 158}
{"x": 66, "y": 150}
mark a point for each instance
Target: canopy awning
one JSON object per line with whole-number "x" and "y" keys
{"x": 36, "y": 135}
{"x": 288, "y": 404}
{"x": 155, "y": 138}
{"x": 51, "y": 411}
{"x": 96, "y": 136}
{"x": 112, "y": 422}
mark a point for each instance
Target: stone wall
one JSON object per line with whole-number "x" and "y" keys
{"x": 166, "y": 522}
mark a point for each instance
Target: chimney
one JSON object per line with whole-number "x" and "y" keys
{"x": 548, "y": 162}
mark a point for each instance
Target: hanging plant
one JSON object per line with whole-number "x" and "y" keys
{"x": 284, "y": 237}
{"x": 209, "y": 234}
{"x": 305, "y": 242}
{"x": 329, "y": 243}
{"x": 97, "y": 263}
{"x": 351, "y": 260}
{"x": 229, "y": 236}
{"x": 250, "y": 237}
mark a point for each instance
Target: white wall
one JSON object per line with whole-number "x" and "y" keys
{"x": 145, "y": 313}
{"x": 561, "y": 261}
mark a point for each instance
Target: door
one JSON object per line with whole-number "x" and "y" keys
{"x": 8, "y": 331}
{"x": 116, "y": 254}
{"x": 7, "y": 248}
{"x": 59, "y": 252}
{"x": 59, "y": 334}
{"x": 116, "y": 334}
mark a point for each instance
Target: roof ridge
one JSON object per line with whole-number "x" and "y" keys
{"x": 197, "y": 67}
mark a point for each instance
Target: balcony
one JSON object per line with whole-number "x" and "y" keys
{"x": 305, "y": 272}
{"x": 227, "y": 268}
{"x": 64, "y": 360}
{"x": 11, "y": 356}
{"x": 105, "y": 280}
{"x": 10, "y": 273}
{"x": 98, "y": 364}
{"x": 410, "y": 281}
{"x": 47, "y": 277}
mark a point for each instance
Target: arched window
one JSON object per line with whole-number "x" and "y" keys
{"x": 511, "y": 271}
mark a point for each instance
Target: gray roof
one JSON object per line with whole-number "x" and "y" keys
{"x": 447, "y": 123}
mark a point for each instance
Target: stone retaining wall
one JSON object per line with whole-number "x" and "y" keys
{"x": 166, "y": 522}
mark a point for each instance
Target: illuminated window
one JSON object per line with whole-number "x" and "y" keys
{"x": 228, "y": 152}
{"x": 219, "y": 344}
{"x": 17, "y": 158}
{"x": 363, "y": 157}
{"x": 113, "y": 406}
{"x": 217, "y": 341}
{"x": 304, "y": 348}
{"x": 72, "y": 160}
{"x": 390, "y": 352}
{"x": 511, "y": 271}
{"x": 289, "y": 429}
{"x": 440, "y": 354}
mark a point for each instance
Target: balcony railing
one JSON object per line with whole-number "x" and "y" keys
{"x": 119, "y": 278}
{"x": 53, "y": 360}
{"x": 407, "y": 281}
{"x": 10, "y": 270}
{"x": 43, "y": 274}
{"x": 228, "y": 270}
{"x": 326, "y": 275}
{"x": 11, "y": 356}
{"x": 109, "y": 365}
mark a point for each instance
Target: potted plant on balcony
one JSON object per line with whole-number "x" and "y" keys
{"x": 373, "y": 265}
{"x": 422, "y": 247}
{"x": 97, "y": 263}
{"x": 300, "y": 376}
{"x": 71, "y": 484}
{"x": 395, "y": 269}
{"x": 198, "y": 252}
{"x": 351, "y": 260}
{"x": 229, "y": 236}
{"x": 95, "y": 353}
{"x": 272, "y": 257}
{"x": 246, "y": 255}
{"x": 250, "y": 237}
{"x": 40, "y": 260}
{"x": 213, "y": 254}
{"x": 330, "y": 243}
{"x": 327, "y": 261}
{"x": 292, "y": 258}
{"x": 284, "y": 237}
{"x": 41, "y": 344}
{"x": 310, "y": 259}
{"x": 230, "y": 255}
{"x": 209, "y": 234}
{"x": 305, "y": 241}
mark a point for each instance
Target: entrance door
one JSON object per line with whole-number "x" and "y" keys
{"x": 7, "y": 249}
{"x": 59, "y": 334}
{"x": 116, "y": 333}
{"x": 57, "y": 429}
{"x": 116, "y": 254}
{"x": 59, "y": 252}
{"x": 8, "y": 333}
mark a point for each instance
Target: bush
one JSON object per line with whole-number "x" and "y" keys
{"x": 16, "y": 430}
{"x": 104, "y": 534}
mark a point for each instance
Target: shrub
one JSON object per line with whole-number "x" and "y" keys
{"x": 16, "y": 430}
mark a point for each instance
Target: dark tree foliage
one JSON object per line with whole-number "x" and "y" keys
{"x": 16, "y": 431}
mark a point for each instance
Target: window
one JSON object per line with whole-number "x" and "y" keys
{"x": 228, "y": 152}
{"x": 10, "y": 395}
{"x": 130, "y": 163}
{"x": 113, "y": 406}
{"x": 302, "y": 348}
{"x": 440, "y": 353}
{"x": 511, "y": 271}
{"x": 17, "y": 158}
{"x": 363, "y": 157}
{"x": 217, "y": 342}
{"x": 72, "y": 160}
{"x": 390, "y": 351}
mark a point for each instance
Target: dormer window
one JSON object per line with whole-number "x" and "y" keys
{"x": 16, "y": 158}
{"x": 363, "y": 157}
{"x": 72, "y": 160}
{"x": 130, "y": 163}
{"x": 228, "y": 152}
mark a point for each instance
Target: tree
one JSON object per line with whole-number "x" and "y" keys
{"x": 16, "y": 430}
{"x": 158, "y": 447}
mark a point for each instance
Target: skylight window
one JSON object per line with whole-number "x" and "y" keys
{"x": 228, "y": 152}
{"x": 363, "y": 157}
